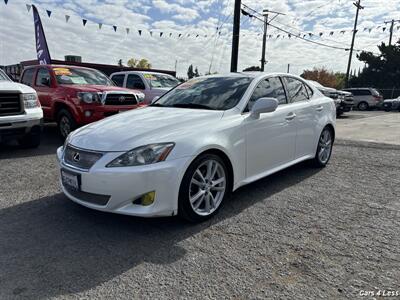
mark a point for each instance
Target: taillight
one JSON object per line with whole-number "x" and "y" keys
{"x": 378, "y": 98}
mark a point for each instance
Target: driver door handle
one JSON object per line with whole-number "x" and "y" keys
{"x": 320, "y": 108}
{"x": 290, "y": 116}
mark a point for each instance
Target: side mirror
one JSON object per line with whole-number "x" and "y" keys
{"x": 264, "y": 105}
{"x": 155, "y": 99}
{"x": 45, "y": 81}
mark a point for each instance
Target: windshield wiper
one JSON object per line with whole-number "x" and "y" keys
{"x": 192, "y": 105}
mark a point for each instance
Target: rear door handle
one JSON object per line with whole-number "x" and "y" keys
{"x": 290, "y": 116}
{"x": 319, "y": 108}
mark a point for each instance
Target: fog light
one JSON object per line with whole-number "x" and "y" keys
{"x": 88, "y": 113}
{"x": 146, "y": 199}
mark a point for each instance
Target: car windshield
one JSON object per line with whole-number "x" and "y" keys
{"x": 78, "y": 76}
{"x": 215, "y": 93}
{"x": 161, "y": 80}
{"x": 317, "y": 84}
{"x": 3, "y": 76}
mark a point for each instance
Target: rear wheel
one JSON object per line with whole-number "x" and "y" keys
{"x": 363, "y": 106}
{"x": 204, "y": 187}
{"x": 66, "y": 123}
{"x": 324, "y": 150}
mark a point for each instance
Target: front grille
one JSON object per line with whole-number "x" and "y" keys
{"x": 121, "y": 99}
{"x": 10, "y": 104}
{"x": 89, "y": 197}
{"x": 79, "y": 158}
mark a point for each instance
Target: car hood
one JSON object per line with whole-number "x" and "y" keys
{"x": 97, "y": 88}
{"x": 142, "y": 126}
{"x": 10, "y": 86}
{"x": 391, "y": 100}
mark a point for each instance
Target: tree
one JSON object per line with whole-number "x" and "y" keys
{"x": 120, "y": 63}
{"x": 252, "y": 68}
{"x": 190, "y": 72}
{"x": 321, "y": 75}
{"x": 196, "y": 73}
{"x": 139, "y": 63}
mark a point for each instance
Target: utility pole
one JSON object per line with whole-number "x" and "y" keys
{"x": 391, "y": 29}
{"x": 288, "y": 68}
{"x": 235, "y": 37}
{"x": 266, "y": 13}
{"x": 358, "y": 5}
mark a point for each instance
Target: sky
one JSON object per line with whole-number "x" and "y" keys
{"x": 197, "y": 21}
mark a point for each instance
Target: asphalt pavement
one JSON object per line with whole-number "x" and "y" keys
{"x": 301, "y": 233}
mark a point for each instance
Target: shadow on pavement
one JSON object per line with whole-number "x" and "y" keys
{"x": 52, "y": 246}
{"x": 49, "y": 144}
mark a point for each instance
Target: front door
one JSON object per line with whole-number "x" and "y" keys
{"x": 43, "y": 89}
{"x": 271, "y": 138}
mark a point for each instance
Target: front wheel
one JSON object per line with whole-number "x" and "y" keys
{"x": 204, "y": 187}
{"x": 66, "y": 123}
{"x": 324, "y": 150}
{"x": 363, "y": 106}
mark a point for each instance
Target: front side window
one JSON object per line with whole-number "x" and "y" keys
{"x": 80, "y": 76}
{"x": 3, "y": 76}
{"x": 118, "y": 79}
{"x": 43, "y": 78}
{"x": 135, "y": 82}
{"x": 27, "y": 78}
{"x": 214, "y": 93}
{"x": 268, "y": 88}
{"x": 296, "y": 89}
{"x": 161, "y": 80}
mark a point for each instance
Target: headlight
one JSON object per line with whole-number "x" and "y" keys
{"x": 143, "y": 155}
{"x": 89, "y": 97}
{"x": 140, "y": 97}
{"x": 30, "y": 100}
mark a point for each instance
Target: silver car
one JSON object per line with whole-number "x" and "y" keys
{"x": 152, "y": 84}
{"x": 366, "y": 98}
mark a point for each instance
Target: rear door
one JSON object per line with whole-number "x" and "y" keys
{"x": 43, "y": 86}
{"x": 307, "y": 114}
{"x": 119, "y": 79}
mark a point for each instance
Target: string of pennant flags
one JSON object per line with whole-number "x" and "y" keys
{"x": 218, "y": 32}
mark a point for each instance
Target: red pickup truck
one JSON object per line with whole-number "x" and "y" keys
{"x": 74, "y": 96}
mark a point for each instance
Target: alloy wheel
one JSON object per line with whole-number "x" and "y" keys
{"x": 325, "y": 146}
{"x": 65, "y": 126}
{"x": 207, "y": 187}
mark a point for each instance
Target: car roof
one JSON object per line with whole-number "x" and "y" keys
{"x": 253, "y": 75}
{"x": 57, "y": 66}
{"x": 141, "y": 72}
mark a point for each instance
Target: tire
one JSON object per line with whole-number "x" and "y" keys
{"x": 363, "y": 106}
{"x": 195, "y": 203}
{"x": 31, "y": 140}
{"x": 65, "y": 123}
{"x": 325, "y": 143}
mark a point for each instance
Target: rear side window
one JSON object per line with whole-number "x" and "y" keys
{"x": 361, "y": 92}
{"x": 43, "y": 77}
{"x": 135, "y": 82}
{"x": 27, "y": 78}
{"x": 118, "y": 79}
{"x": 296, "y": 89}
{"x": 375, "y": 92}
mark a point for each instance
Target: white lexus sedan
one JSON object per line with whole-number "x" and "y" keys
{"x": 186, "y": 152}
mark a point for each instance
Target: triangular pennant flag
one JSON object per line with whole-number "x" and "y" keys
{"x": 398, "y": 27}
{"x": 170, "y": 34}
{"x": 127, "y": 30}
{"x": 188, "y": 35}
{"x": 365, "y": 29}
{"x": 151, "y": 33}
{"x": 100, "y": 25}
{"x": 304, "y": 35}
{"x": 331, "y": 33}
{"x": 6, "y": 1}
{"x": 343, "y": 31}
{"x": 219, "y": 33}
{"x": 310, "y": 34}
{"x": 161, "y": 34}
{"x": 197, "y": 36}
{"x": 28, "y": 7}
{"x": 84, "y": 21}
{"x": 278, "y": 36}
{"x": 378, "y": 27}
{"x": 321, "y": 33}
{"x": 67, "y": 18}
{"x": 355, "y": 31}
{"x": 289, "y": 35}
{"x": 370, "y": 30}
{"x": 115, "y": 28}
{"x": 205, "y": 36}
{"x": 179, "y": 35}
{"x": 384, "y": 28}
{"x": 48, "y": 12}
{"x": 140, "y": 32}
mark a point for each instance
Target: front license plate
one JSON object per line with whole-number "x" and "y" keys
{"x": 70, "y": 180}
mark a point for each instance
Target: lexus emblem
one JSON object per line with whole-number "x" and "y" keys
{"x": 76, "y": 157}
{"x": 121, "y": 99}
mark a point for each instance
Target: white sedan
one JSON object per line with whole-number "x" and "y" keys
{"x": 186, "y": 152}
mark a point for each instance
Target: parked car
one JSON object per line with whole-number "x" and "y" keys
{"x": 391, "y": 104}
{"x": 74, "y": 96}
{"x": 187, "y": 151}
{"x": 20, "y": 113}
{"x": 344, "y": 101}
{"x": 366, "y": 98}
{"x": 152, "y": 84}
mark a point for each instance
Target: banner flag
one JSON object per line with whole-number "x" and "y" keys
{"x": 84, "y": 21}
{"x": 48, "y": 12}
{"x": 67, "y": 18}
{"x": 42, "y": 50}
{"x": 28, "y": 7}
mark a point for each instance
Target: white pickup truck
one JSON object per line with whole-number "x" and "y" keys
{"x": 21, "y": 115}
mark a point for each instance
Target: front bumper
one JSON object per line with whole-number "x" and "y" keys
{"x": 115, "y": 189}
{"x": 19, "y": 125}
{"x": 89, "y": 114}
